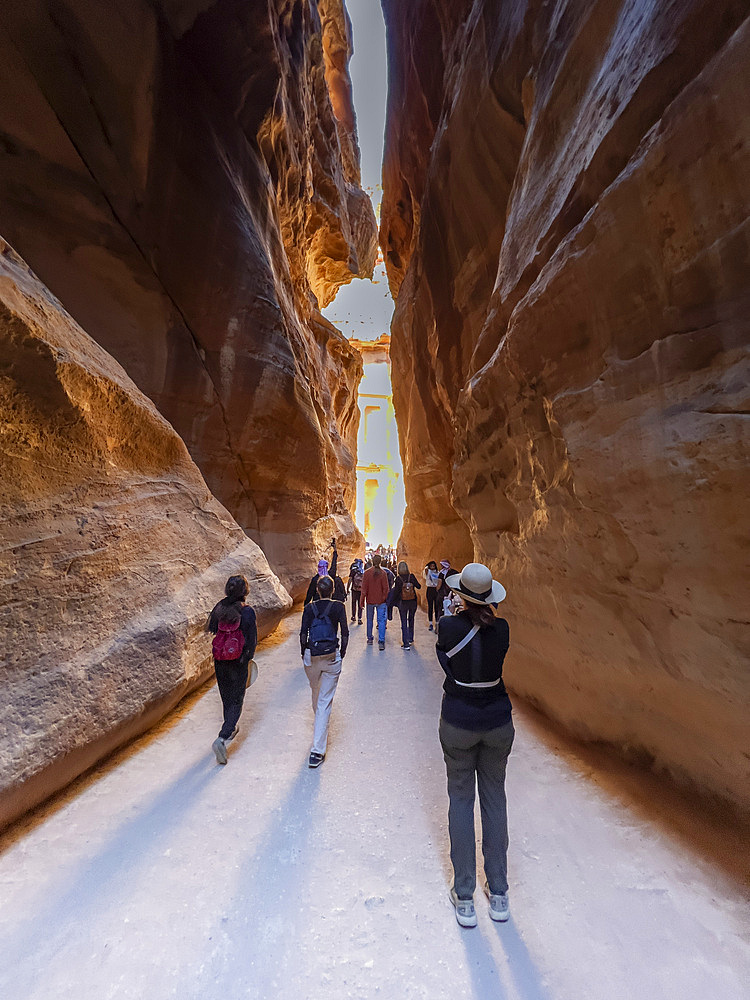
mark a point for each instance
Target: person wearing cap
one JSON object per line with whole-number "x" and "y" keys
{"x": 476, "y": 734}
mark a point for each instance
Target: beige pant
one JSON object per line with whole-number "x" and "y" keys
{"x": 323, "y": 674}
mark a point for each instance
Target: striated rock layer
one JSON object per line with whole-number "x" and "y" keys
{"x": 184, "y": 175}
{"x": 565, "y": 224}
{"x": 114, "y": 552}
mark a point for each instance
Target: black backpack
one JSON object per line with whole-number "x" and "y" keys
{"x": 322, "y": 634}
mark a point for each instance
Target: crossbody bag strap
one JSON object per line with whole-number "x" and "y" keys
{"x": 464, "y": 642}
{"x": 475, "y": 663}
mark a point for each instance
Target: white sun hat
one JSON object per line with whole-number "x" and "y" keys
{"x": 475, "y": 584}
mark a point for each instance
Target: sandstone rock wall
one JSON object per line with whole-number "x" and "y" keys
{"x": 114, "y": 551}
{"x": 184, "y": 175}
{"x": 565, "y": 223}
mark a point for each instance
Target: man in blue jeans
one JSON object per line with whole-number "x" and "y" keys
{"x": 375, "y": 587}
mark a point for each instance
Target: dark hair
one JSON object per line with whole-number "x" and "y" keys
{"x": 403, "y": 573}
{"x": 325, "y": 586}
{"x": 431, "y": 565}
{"x": 480, "y": 614}
{"x": 376, "y": 560}
{"x": 236, "y": 588}
{"x": 228, "y": 614}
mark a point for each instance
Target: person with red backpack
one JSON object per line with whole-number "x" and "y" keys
{"x": 235, "y": 633}
{"x": 321, "y": 657}
{"x": 404, "y": 596}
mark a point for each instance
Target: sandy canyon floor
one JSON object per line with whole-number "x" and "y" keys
{"x": 162, "y": 874}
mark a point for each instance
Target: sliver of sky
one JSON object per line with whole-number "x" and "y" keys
{"x": 363, "y": 308}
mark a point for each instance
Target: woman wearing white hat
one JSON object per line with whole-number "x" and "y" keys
{"x": 476, "y": 733}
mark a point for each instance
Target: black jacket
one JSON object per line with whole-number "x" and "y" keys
{"x": 481, "y": 660}
{"x": 248, "y": 627}
{"x": 339, "y": 588}
{"x": 394, "y": 598}
{"x": 337, "y": 614}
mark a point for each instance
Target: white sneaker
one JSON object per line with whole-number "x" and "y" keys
{"x": 499, "y": 906}
{"x": 466, "y": 915}
{"x": 219, "y": 747}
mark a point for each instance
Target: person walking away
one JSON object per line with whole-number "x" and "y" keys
{"x": 235, "y": 631}
{"x": 354, "y": 587}
{"x": 476, "y": 734}
{"x": 322, "y": 658}
{"x": 327, "y": 569}
{"x": 431, "y": 579}
{"x": 375, "y": 589}
{"x": 404, "y": 596}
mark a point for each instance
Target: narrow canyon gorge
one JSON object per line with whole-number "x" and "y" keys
{"x": 565, "y": 231}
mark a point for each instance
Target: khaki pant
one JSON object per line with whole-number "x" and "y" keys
{"x": 323, "y": 674}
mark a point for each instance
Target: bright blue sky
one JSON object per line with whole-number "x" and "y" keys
{"x": 363, "y": 309}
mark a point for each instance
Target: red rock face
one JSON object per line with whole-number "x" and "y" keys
{"x": 176, "y": 174}
{"x": 566, "y": 225}
{"x": 114, "y": 552}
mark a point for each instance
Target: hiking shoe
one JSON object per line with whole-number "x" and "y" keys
{"x": 466, "y": 915}
{"x": 359, "y": 621}
{"x": 381, "y": 645}
{"x": 370, "y": 642}
{"x": 405, "y": 645}
{"x": 316, "y": 759}
{"x": 352, "y": 619}
{"x": 499, "y": 908}
{"x": 430, "y": 629}
{"x": 219, "y": 747}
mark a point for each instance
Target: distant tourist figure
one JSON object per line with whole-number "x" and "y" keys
{"x": 445, "y": 595}
{"x": 476, "y": 733}
{"x": 326, "y": 569}
{"x": 235, "y": 638}
{"x": 404, "y": 597}
{"x": 375, "y": 588}
{"x": 354, "y": 587}
{"x": 431, "y": 579}
{"x": 321, "y": 657}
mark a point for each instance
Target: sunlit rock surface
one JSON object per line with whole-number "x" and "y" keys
{"x": 184, "y": 176}
{"x": 566, "y": 225}
{"x": 114, "y": 552}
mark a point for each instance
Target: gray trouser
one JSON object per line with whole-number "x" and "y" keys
{"x": 477, "y": 759}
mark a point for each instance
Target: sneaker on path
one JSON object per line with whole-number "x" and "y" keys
{"x": 431, "y": 628}
{"x": 466, "y": 915}
{"x": 352, "y": 619}
{"x": 219, "y": 747}
{"x": 359, "y": 621}
{"x": 499, "y": 907}
{"x": 381, "y": 645}
{"x": 370, "y": 642}
{"x": 316, "y": 759}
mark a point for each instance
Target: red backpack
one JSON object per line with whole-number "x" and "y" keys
{"x": 228, "y": 642}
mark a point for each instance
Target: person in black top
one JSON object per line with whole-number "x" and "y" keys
{"x": 321, "y": 657}
{"x": 325, "y": 570}
{"x": 404, "y": 596}
{"x": 476, "y": 734}
{"x": 231, "y": 675}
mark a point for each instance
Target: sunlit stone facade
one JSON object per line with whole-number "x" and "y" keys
{"x": 380, "y": 482}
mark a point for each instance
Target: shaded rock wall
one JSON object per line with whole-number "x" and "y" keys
{"x": 184, "y": 176}
{"x": 565, "y": 224}
{"x": 114, "y": 551}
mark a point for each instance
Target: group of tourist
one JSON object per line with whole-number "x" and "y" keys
{"x": 476, "y": 729}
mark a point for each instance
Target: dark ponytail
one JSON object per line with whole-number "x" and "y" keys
{"x": 480, "y": 614}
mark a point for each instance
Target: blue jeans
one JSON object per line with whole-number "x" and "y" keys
{"x": 382, "y": 610}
